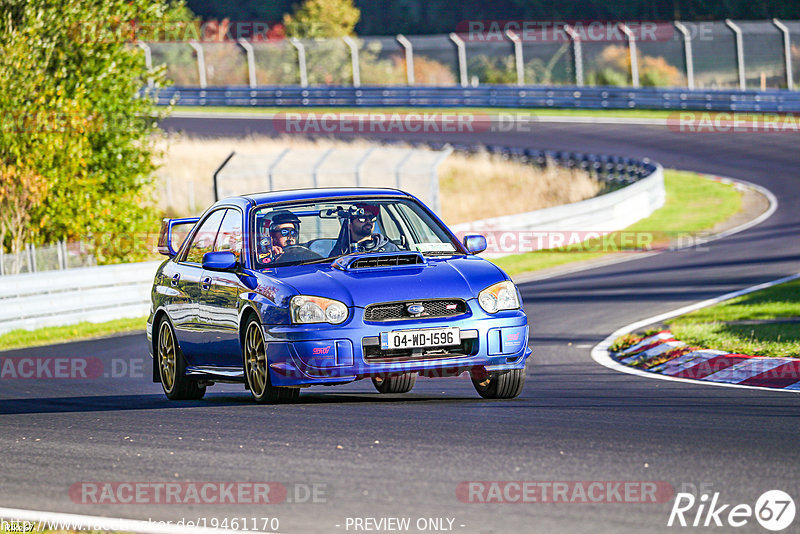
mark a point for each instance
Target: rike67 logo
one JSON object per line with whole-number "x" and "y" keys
{"x": 774, "y": 510}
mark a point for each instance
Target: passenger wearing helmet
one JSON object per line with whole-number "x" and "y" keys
{"x": 362, "y": 239}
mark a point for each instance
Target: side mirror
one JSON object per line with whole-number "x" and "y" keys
{"x": 219, "y": 261}
{"x": 475, "y": 243}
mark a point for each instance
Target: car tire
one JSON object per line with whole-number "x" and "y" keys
{"x": 500, "y": 384}
{"x": 401, "y": 383}
{"x": 172, "y": 367}
{"x": 256, "y": 369}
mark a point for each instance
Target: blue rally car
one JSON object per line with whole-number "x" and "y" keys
{"x": 290, "y": 289}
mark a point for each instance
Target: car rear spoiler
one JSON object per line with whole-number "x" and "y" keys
{"x": 165, "y": 236}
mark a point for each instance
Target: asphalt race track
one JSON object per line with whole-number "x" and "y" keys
{"x": 404, "y": 456}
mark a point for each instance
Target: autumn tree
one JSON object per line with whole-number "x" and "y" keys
{"x": 76, "y": 122}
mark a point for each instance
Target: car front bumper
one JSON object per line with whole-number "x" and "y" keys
{"x": 333, "y": 354}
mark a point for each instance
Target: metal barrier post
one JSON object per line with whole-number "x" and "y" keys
{"x": 739, "y": 51}
{"x": 349, "y": 41}
{"x": 577, "y": 53}
{"x": 787, "y": 52}
{"x": 462, "y": 58}
{"x": 360, "y": 164}
{"x": 148, "y": 61}
{"x": 60, "y": 256}
{"x": 272, "y": 166}
{"x": 406, "y": 44}
{"x": 687, "y": 53}
{"x": 201, "y": 63}
{"x": 632, "y": 49}
{"x": 251, "y": 61}
{"x": 301, "y": 60}
{"x": 517, "y": 56}
{"x": 32, "y": 257}
{"x": 216, "y": 173}
{"x": 443, "y": 155}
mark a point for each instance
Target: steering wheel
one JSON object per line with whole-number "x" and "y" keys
{"x": 298, "y": 253}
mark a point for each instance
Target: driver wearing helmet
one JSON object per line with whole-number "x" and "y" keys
{"x": 360, "y": 229}
{"x": 277, "y": 234}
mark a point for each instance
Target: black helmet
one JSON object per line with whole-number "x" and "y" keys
{"x": 283, "y": 217}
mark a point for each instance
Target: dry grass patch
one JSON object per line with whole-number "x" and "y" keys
{"x": 472, "y": 187}
{"x": 483, "y": 185}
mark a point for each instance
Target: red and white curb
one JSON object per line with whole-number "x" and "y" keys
{"x": 701, "y": 366}
{"x": 662, "y": 353}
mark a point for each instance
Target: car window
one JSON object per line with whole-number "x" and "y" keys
{"x": 203, "y": 240}
{"x": 229, "y": 238}
{"x": 333, "y": 227}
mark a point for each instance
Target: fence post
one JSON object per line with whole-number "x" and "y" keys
{"x": 517, "y": 56}
{"x": 32, "y": 257}
{"x": 60, "y": 256}
{"x": 271, "y": 168}
{"x": 301, "y": 60}
{"x": 2, "y": 261}
{"x": 349, "y": 41}
{"x": 462, "y": 58}
{"x": 443, "y": 155}
{"x": 634, "y": 56}
{"x": 687, "y": 53}
{"x": 739, "y": 51}
{"x": 251, "y": 61}
{"x": 577, "y": 53}
{"x": 201, "y": 63}
{"x": 360, "y": 164}
{"x": 409, "y": 49}
{"x": 787, "y": 52}
{"x": 216, "y": 174}
{"x": 148, "y": 61}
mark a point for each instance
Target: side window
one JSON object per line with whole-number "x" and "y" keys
{"x": 229, "y": 238}
{"x": 203, "y": 240}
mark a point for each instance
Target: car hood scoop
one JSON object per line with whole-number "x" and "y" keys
{"x": 393, "y": 260}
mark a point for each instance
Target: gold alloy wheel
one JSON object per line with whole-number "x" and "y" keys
{"x": 255, "y": 358}
{"x": 167, "y": 356}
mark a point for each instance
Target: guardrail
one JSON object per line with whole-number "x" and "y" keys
{"x": 499, "y": 96}
{"x": 92, "y": 294}
{"x": 634, "y": 189}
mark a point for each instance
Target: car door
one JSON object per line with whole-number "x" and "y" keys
{"x": 187, "y": 317}
{"x": 220, "y": 297}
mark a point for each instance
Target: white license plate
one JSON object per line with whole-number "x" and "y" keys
{"x": 410, "y": 339}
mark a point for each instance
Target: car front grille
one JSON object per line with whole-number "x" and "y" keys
{"x": 374, "y": 352}
{"x": 395, "y": 311}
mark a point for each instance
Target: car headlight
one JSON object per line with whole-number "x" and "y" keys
{"x": 306, "y": 310}
{"x": 499, "y": 296}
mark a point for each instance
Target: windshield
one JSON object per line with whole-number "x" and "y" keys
{"x": 322, "y": 231}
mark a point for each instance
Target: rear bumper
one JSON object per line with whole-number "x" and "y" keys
{"x": 328, "y": 354}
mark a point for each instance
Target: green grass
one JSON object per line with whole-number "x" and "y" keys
{"x": 716, "y": 327}
{"x": 541, "y": 112}
{"x": 694, "y": 204}
{"x": 18, "y": 339}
